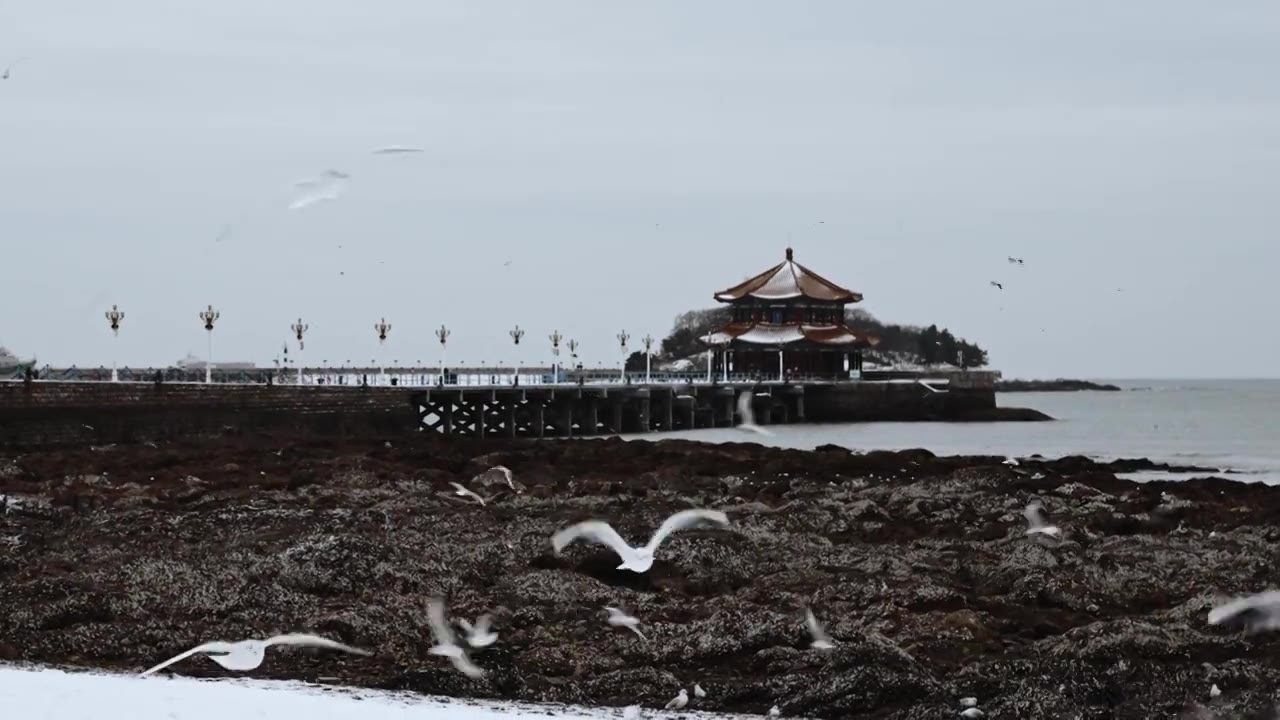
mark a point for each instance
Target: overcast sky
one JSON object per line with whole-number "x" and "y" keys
{"x": 629, "y": 160}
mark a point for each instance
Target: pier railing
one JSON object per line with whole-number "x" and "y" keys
{"x": 477, "y": 376}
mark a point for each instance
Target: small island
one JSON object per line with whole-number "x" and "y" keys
{"x": 1059, "y": 385}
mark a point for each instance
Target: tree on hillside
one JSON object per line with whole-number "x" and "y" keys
{"x": 686, "y": 333}
{"x": 635, "y": 362}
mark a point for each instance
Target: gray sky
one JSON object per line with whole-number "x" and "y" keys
{"x": 630, "y": 159}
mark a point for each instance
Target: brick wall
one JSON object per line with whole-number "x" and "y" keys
{"x": 52, "y": 413}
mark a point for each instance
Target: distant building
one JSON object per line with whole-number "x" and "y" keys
{"x": 788, "y": 321}
{"x": 191, "y": 362}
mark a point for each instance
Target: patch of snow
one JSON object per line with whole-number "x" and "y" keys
{"x": 33, "y": 693}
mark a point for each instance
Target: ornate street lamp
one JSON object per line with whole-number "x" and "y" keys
{"x": 442, "y": 334}
{"x": 209, "y": 316}
{"x": 114, "y": 316}
{"x": 623, "y": 337}
{"x": 298, "y": 329}
{"x": 516, "y": 334}
{"x": 382, "y": 327}
{"x": 648, "y": 343}
{"x": 555, "y": 337}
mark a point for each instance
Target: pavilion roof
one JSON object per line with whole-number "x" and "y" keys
{"x": 788, "y": 280}
{"x": 775, "y": 335}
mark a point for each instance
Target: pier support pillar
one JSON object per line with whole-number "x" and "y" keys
{"x": 448, "y": 416}
{"x": 482, "y": 418}
{"x": 617, "y": 417}
{"x": 511, "y": 418}
{"x": 593, "y": 418}
{"x": 541, "y": 420}
{"x": 646, "y": 425}
{"x": 566, "y": 420}
{"x": 668, "y": 405}
{"x": 799, "y": 408}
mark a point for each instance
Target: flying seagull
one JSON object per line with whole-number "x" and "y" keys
{"x": 638, "y": 559}
{"x": 497, "y": 475}
{"x": 748, "y": 414}
{"x": 248, "y": 654}
{"x": 997, "y": 285}
{"x": 462, "y": 491}
{"x": 478, "y": 635}
{"x": 1255, "y": 612}
{"x": 9, "y": 70}
{"x": 1015, "y": 261}
{"x": 679, "y": 701}
{"x": 821, "y": 640}
{"x": 1036, "y": 524}
{"x": 620, "y": 618}
{"x": 397, "y": 150}
{"x": 446, "y": 645}
{"x": 327, "y": 186}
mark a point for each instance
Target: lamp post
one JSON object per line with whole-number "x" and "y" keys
{"x": 623, "y": 337}
{"x": 209, "y": 316}
{"x": 555, "y": 337}
{"x": 298, "y": 329}
{"x": 114, "y": 316}
{"x": 710, "y": 355}
{"x": 382, "y": 327}
{"x": 648, "y": 343}
{"x": 442, "y": 334}
{"x": 516, "y": 333}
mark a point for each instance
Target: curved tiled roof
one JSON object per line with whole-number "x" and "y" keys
{"x": 787, "y": 280}
{"x": 757, "y": 333}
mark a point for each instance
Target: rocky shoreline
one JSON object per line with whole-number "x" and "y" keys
{"x": 119, "y": 557}
{"x": 1059, "y": 385}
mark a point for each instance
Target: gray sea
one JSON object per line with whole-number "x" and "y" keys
{"x": 1232, "y": 425}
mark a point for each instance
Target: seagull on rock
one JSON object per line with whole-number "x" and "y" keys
{"x": 446, "y": 645}
{"x": 679, "y": 701}
{"x": 1036, "y": 523}
{"x": 478, "y": 635}
{"x": 249, "y": 654}
{"x": 821, "y": 640}
{"x": 775, "y": 712}
{"x": 465, "y": 492}
{"x": 634, "y": 559}
{"x": 497, "y": 475}
{"x": 619, "y": 618}
{"x": 968, "y": 702}
{"x": 972, "y": 712}
{"x": 748, "y": 414}
{"x": 1255, "y": 612}
{"x": 1010, "y": 461}
{"x": 698, "y": 692}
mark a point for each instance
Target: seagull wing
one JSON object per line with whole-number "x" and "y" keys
{"x": 1035, "y": 518}
{"x": 465, "y": 666}
{"x": 216, "y": 646}
{"x": 1249, "y": 610}
{"x": 482, "y": 624}
{"x": 596, "y": 531}
{"x": 439, "y": 628}
{"x": 465, "y": 625}
{"x": 686, "y": 519}
{"x": 745, "y": 411}
{"x": 309, "y": 640}
{"x": 815, "y": 628}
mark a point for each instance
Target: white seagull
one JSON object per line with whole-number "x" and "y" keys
{"x": 327, "y": 186}
{"x": 968, "y": 702}
{"x": 478, "y": 635}
{"x": 497, "y": 475}
{"x": 1010, "y": 461}
{"x": 679, "y": 701}
{"x": 1036, "y": 523}
{"x": 619, "y": 618}
{"x": 747, "y": 413}
{"x": 446, "y": 645}
{"x": 972, "y": 712}
{"x": 634, "y": 559}
{"x": 249, "y": 654}
{"x": 775, "y": 712}
{"x": 9, "y": 70}
{"x": 462, "y": 491}
{"x": 698, "y": 692}
{"x": 821, "y": 640}
{"x": 1255, "y": 612}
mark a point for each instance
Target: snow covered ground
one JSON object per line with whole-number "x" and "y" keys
{"x": 29, "y": 693}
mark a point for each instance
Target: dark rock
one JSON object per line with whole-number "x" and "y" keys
{"x": 917, "y": 563}
{"x": 1060, "y": 385}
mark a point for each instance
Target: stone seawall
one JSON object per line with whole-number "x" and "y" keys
{"x": 63, "y": 413}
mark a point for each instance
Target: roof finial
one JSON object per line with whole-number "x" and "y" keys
{"x": 788, "y": 254}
